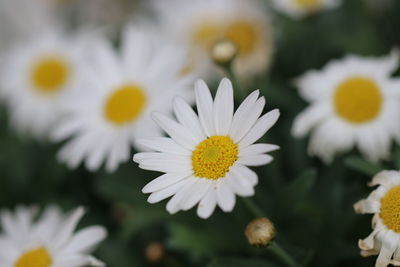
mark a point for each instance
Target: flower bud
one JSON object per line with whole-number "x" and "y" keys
{"x": 155, "y": 252}
{"x": 224, "y": 52}
{"x": 260, "y": 232}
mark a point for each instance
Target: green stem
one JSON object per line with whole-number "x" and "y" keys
{"x": 253, "y": 208}
{"x": 231, "y": 75}
{"x": 282, "y": 254}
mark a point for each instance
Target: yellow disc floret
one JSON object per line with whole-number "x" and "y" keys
{"x": 213, "y": 157}
{"x": 207, "y": 33}
{"x": 308, "y": 4}
{"x": 390, "y": 209}
{"x": 125, "y": 104}
{"x": 244, "y": 34}
{"x": 39, "y": 257}
{"x": 358, "y": 100}
{"x": 50, "y": 74}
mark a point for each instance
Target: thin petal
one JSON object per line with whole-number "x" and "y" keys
{"x": 223, "y": 107}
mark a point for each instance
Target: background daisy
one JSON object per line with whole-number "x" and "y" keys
{"x": 121, "y": 89}
{"x": 384, "y": 203}
{"x": 353, "y": 102}
{"x": 300, "y": 8}
{"x": 35, "y": 77}
{"x": 206, "y": 157}
{"x": 49, "y": 241}
{"x": 202, "y": 24}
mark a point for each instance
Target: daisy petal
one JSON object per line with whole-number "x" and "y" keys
{"x": 223, "y": 107}
{"x": 207, "y": 204}
{"x": 204, "y": 104}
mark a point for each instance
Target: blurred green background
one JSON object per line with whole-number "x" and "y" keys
{"x": 309, "y": 202}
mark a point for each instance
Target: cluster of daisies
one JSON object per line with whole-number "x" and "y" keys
{"x": 101, "y": 97}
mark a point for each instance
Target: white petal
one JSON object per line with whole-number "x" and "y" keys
{"x": 163, "y": 144}
{"x": 239, "y": 185}
{"x": 207, "y": 204}
{"x": 223, "y": 107}
{"x": 167, "y": 192}
{"x": 177, "y": 132}
{"x": 386, "y": 178}
{"x": 309, "y": 118}
{"x": 85, "y": 240}
{"x": 262, "y": 125}
{"x": 164, "y": 181}
{"x": 68, "y": 227}
{"x": 245, "y": 118}
{"x": 245, "y": 173}
{"x": 204, "y": 105}
{"x": 257, "y": 149}
{"x": 225, "y": 197}
{"x": 201, "y": 188}
{"x": 188, "y": 118}
{"x": 257, "y": 160}
{"x": 389, "y": 245}
{"x": 176, "y": 202}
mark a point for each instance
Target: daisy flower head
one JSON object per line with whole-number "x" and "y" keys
{"x": 202, "y": 24}
{"x": 48, "y": 241}
{"x": 300, "y": 8}
{"x": 384, "y": 203}
{"x": 36, "y": 75}
{"x": 353, "y": 103}
{"x": 205, "y": 158}
{"x": 121, "y": 89}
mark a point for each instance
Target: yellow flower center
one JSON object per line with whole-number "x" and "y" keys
{"x": 50, "y": 74}
{"x": 125, "y": 104}
{"x": 207, "y": 33}
{"x": 244, "y": 34}
{"x": 308, "y": 4}
{"x": 358, "y": 100}
{"x": 213, "y": 157}
{"x": 390, "y": 209}
{"x": 35, "y": 258}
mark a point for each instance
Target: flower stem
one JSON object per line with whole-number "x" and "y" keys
{"x": 253, "y": 208}
{"x": 282, "y": 254}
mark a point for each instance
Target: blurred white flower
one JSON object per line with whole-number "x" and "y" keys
{"x": 36, "y": 75}
{"x": 300, "y": 8}
{"x": 353, "y": 102}
{"x": 206, "y": 157}
{"x": 200, "y": 24}
{"x": 47, "y": 241}
{"x": 116, "y": 97}
{"x": 384, "y": 203}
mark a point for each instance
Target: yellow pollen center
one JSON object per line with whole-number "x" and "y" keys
{"x": 358, "y": 100}
{"x": 244, "y": 34}
{"x": 125, "y": 104}
{"x": 35, "y": 258}
{"x": 50, "y": 74}
{"x": 213, "y": 157}
{"x": 206, "y": 34}
{"x": 390, "y": 209}
{"x": 308, "y": 4}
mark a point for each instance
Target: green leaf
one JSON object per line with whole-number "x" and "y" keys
{"x": 361, "y": 165}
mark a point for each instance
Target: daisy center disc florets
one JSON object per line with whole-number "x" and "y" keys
{"x": 125, "y": 104}
{"x": 390, "y": 209}
{"x": 310, "y": 4}
{"x": 50, "y": 74}
{"x": 39, "y": 257}
{"x": 244, "y": 35}
{"x": 358, "y": 100}
{"x": 213, "y": 157}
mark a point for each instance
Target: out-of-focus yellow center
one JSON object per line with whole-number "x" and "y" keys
{"x": 213, "y": 157}
{"x": 125, "y": 104}
{"x": 50, "y": 74}
{"x": 244, "y": 35}
{"x": 358, "y": 100}
{"x": 390, "y": 209}
{"x": 207, "y": 33}
{"x": 39, "y": 257}
{"x": 308, "y": 4}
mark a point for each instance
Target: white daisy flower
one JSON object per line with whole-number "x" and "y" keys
{"x": 300, "y": 8}
{"x": 384, "y": 203}
{"x": 203, "y": 23}
{"x": 49, "y": 241}
{"x": 36, "y": 75}
{"x": 206, "y": 157}
{"x": 120, "y": 91}
{"x": 354, "y": 102}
